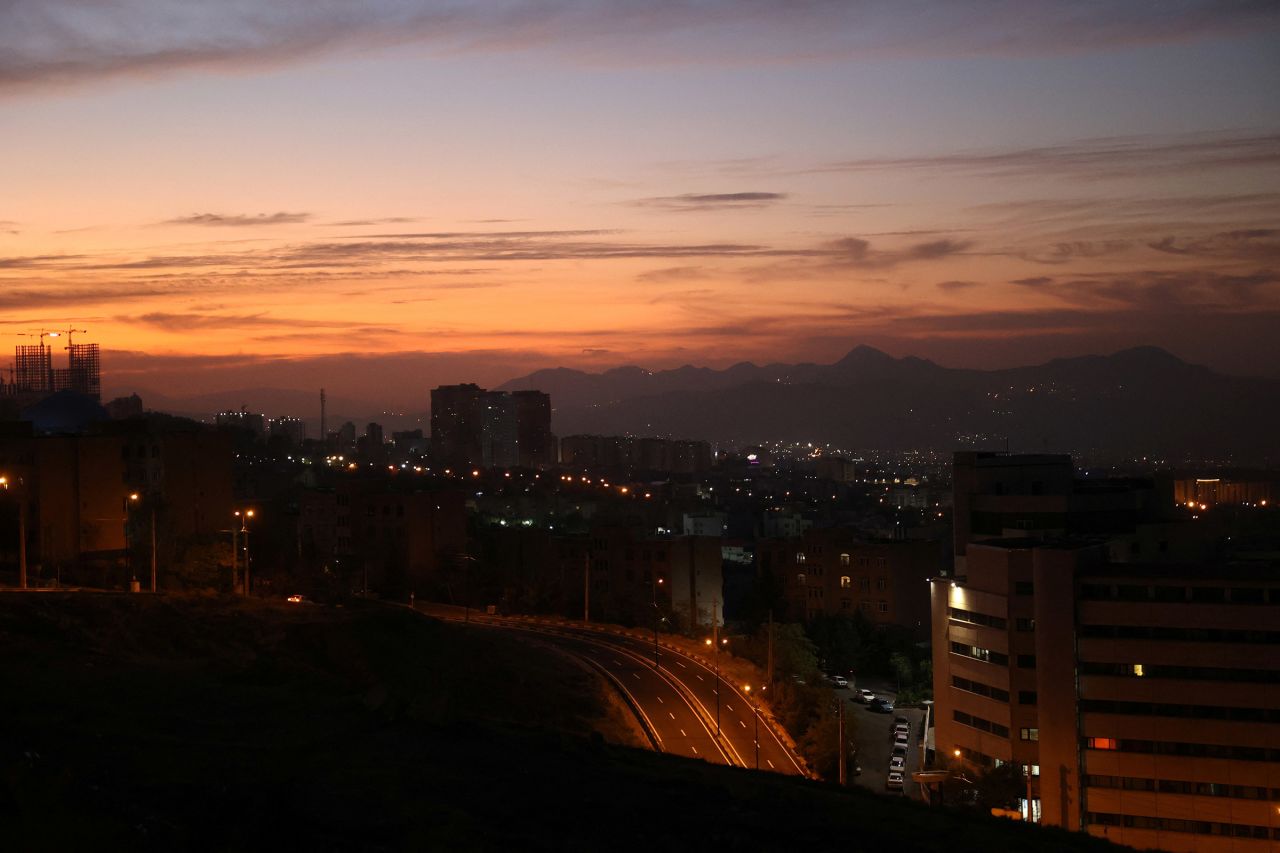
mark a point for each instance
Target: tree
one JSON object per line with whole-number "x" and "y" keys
{"x": 902, "y": 669}
{"x": 820, "y": 743}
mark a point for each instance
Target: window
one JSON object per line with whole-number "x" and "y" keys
{"x": 1107, "y": 743}
{"x": 974, "y": 618}
{"x": 846, "y": 582}
{"x": 882, "y": 584}
{"x": 864, "y": 584}
{"x": 1024, "y": 624}
{"x": 884, "y": 607}
{"x": 844, "y": 559}
{"x": 864, "y": 605}
{"x": 800, "y": 579}
{"x": 978, "y": 653}
{"x": 1029, "y": 734}
{"x": 979, "y": 688}
{"x": 1026, "y": 697}
{"x": 800, "y": 558}
{"x": 846, "y": 604}
{"x": 1024, "y": 588}
{"x": 1027, "y": 661}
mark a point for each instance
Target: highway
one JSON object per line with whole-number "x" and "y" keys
{"x": 675, "y": 701}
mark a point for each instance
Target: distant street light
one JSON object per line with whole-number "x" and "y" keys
{"x": 129, "y": 503}
{"x": 22, "y": 529}
{"x": 755, "y": 707}
{"x": 657, "y": 583}
{"x": 244, "y": 516}
{"x": 724, "y": 641}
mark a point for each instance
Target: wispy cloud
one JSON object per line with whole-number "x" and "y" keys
{"x": 196, "y": 322}
{"x": 1251, "y": 244}
{"x": 703, "y": 202}
{"x": 355, "y": 223}
{"x": 219, "y": 220}
{"x": 1113, "y": 157}
{"x": 954, "y": 286}
{"x": 66, "y": 41}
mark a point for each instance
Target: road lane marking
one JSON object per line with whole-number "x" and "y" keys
{"x": 744, "y": 725}
{"x": 682, "y": 734}
{"x": 636, "y": 675}
{"x": 770, "y": 763}
{"x": 659, "y": 698}
{"x": 727, "y": 705}
{"x": 682, "y": 666}
{"x": 699, "y": 677}
{"x": 694, "y": 748}
{"x": 671, "y": 715}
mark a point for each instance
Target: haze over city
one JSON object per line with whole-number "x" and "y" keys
{"x": 231, "y": 196}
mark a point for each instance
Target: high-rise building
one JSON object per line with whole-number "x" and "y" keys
{"x": 492, "y": 429}
{"x": 294, "y": 429}
{"x": 534, "y": 439}
{"x": 1139, "y": 697}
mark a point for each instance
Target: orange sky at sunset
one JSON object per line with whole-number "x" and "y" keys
{"x": 701, "y": 185}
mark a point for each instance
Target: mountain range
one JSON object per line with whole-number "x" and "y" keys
{"x": 1137, "y": 402}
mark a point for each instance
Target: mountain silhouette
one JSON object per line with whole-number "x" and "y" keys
{"x": 1139, "y": 402}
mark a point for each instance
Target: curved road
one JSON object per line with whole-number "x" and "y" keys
{"x": 677, "y": 699}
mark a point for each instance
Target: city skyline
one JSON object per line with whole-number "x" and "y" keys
{"x": 475, "y": 192}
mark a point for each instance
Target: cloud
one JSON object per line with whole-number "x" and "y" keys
{"x": 239, "y": 220}
{"x": 952, "y": 286}
{"x": 46, "y": 42}
{"x": 1251, "y": 244}
{"x": 1035, "y": 281}
{"x": 670, "y": 274}
{"x": 196, "y": 322}
{"x": 1109, "y": 157}
{"x": 698, "y": 203}
{"x": 355, "y": 223}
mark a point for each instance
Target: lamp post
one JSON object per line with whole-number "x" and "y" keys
{"x": 22, "y": 531}
{"x": 657, "y": 583}
{"x": 244, "y": 516}
{"x": 755, "y": 707}
{"x": 715, "y": 657}
{"x": 129, "y": 503}
{"x": 467, "y": 560}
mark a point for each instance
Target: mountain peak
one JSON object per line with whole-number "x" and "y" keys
{"x": 863, "y": 354}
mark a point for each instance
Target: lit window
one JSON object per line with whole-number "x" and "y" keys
{"x": 1103, "y": 743}
{"x": 846, "y": 582}
{"x": 844, "y": 559}
{"x": 800, "y": 578}
{"x": 1137, "y": 670}
{"x": 799, "y": 558}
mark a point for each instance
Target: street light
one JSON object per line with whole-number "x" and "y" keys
{"x": 755, "y": 707}
{"x": 22, "y": 531}
{"x": 130, "y": 502}
{"x": 657, "y": 583}
{"x": 244, "y": 516}
{"x": 724, "y": 641}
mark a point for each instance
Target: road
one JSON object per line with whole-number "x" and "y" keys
{"x": 677, "y": 700}
{"x": 873, "y": 736}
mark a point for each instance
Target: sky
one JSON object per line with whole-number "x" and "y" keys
{"x": 386, "y": 195}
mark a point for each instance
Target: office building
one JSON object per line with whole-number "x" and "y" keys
{"x": 1141, "y": 696}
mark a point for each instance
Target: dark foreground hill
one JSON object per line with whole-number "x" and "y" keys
{"x": 205, "y": 724}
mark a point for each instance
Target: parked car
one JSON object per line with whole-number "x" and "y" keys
{"x": 880, "y": 706}
{"x": 901, "y": 738}
{"x": 900, "y": 749}
{"x": 837, "y": 681}
{"x": 904, "y": 729}
{"x": 894, "y": 782}
{"x": 864, "y": 696}
{"x": 901, "y": 721}
{"x": 897, "y": 764}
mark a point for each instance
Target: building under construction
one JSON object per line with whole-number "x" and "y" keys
{"x": 34, "y": 377}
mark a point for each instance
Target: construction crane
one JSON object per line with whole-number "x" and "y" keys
{"x": 68, "y": 333}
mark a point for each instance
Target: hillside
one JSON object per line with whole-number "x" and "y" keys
{"x": 1142, "y": 401}
{"x": 208, "y": 724}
